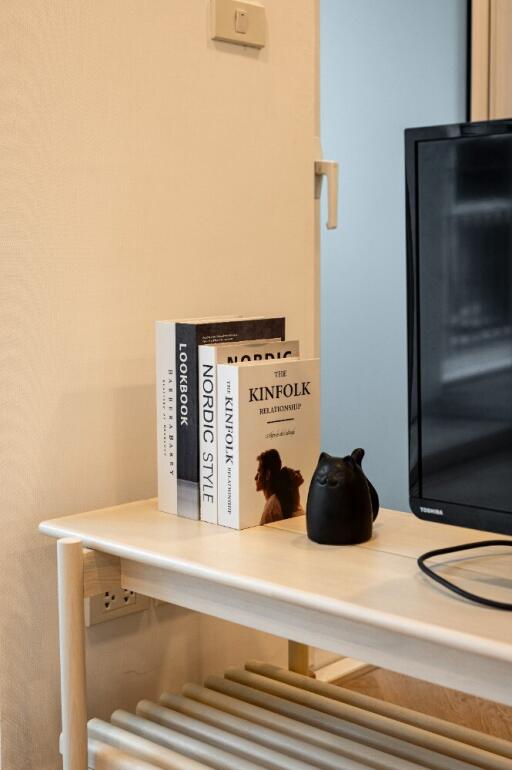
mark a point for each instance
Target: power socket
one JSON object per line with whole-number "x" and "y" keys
{"x": 113, "y": 604}
{"x": 121, "y": 597}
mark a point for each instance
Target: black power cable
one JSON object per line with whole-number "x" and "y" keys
{"x": 451, "y": 586}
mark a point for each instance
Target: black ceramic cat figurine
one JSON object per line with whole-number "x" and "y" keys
{"x": 342, "y": 504}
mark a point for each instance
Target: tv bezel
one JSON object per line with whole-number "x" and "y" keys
{"x": 462, "y": 515}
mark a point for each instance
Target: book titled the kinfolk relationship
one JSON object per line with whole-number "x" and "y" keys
{"x": 209, "y": 357}
{"x": 177, "y": 345}
{"x": 268, "y": 417}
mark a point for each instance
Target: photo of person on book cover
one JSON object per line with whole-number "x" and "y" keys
{"x": 280, "y": 487}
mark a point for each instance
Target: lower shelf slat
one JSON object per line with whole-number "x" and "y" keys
{"x": 363, "y": 736}
{"x": 141, "y": 748}
{"x": 224, "y": 739}
{"x": 254, "y": 728}
{"x": 101, "y": 756}
{"x": 262, "y": 710}
{"x": 452, "y": 751}
{"x": 272, "y": 718}
{"x": 199, "y": 750}
{"x": 399, "y": 713}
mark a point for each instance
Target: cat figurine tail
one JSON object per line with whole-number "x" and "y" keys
{"x": 342, "y": 503}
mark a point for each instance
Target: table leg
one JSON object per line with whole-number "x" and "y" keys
{"x": 298, "y": 658}
{"x": 72, "y": 653}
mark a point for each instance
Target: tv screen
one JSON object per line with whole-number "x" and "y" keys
{"x": 459, "y": 258}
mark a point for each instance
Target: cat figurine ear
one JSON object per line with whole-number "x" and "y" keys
{"x": 342, "y": 503}
{"x": 358, "y": 455}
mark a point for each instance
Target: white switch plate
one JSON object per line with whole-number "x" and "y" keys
{"x": 223, "y": 22}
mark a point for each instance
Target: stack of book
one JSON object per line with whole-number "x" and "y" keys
{"x": 237, "y": 420}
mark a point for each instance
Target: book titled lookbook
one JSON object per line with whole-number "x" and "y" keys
{"x": 268, "y": 417}
{"x": 177, "y": 345}
{"x": 209, "y": 357}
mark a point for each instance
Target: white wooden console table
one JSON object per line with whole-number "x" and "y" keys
{"x": 369, "y": 602}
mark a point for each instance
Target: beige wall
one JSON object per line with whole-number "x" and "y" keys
{"x": 491, "y": 59}
{"x": 147, "y": 172}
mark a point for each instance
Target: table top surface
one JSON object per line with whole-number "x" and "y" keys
{"x": 378, "y": 582}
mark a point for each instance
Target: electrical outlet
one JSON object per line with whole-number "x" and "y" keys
{"x": 113, "y": 604}
{"x": 121, "y": 597}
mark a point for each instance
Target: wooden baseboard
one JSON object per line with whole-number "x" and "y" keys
{"x": 343, "y": 669}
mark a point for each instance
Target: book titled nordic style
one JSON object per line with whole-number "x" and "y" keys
{"x": 177, "y": 345}
{"x": 268, "y": 416}
{"x": 209, "y": 357}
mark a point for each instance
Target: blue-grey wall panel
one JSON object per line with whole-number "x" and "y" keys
{"x": 385, "y": 65}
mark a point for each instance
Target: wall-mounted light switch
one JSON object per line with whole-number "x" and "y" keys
{"x": 242, "y": 23}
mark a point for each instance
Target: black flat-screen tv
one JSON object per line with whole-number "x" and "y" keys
{"x": 459, "y": 286}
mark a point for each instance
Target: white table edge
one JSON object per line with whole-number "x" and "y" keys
{"x": 406, "y": 627}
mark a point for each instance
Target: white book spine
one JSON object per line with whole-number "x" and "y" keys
{"x": 208, "y": 433}
{"x": 166, "y": 416}
{"x": 228, "y": 447}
